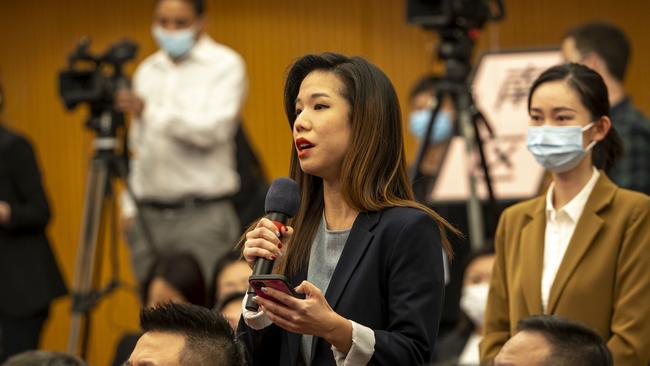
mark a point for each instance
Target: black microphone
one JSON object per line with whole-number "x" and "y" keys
{"x": 281, "y": 204}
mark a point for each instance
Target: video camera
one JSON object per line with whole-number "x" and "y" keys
{"x": 446, "y": 14}
{"x": 457, "y": 22}
{"x": 93, "y": 79}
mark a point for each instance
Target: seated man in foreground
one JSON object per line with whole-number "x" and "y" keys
{"x": 184, "y": 334}
{"x": 549, "y": 340}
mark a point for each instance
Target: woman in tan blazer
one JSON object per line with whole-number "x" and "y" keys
{"x": 582, "y": 250}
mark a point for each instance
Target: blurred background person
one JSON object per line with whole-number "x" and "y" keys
{"x": 230, "y": 307}
{"x": 230, "y": 275}
{"x": 174, "y": 278}
{"x": 579, "y": 251}
{"x": 460, "y": 346}
{"x": 549, "y": 340}
{"x": 29, "y": 275}
{"x": 604, "y": 48}
{"x": 185, "y": 106}
{"x": 422, "y": 101}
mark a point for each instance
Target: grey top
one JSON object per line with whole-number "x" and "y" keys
{"x": 325, "y": 253}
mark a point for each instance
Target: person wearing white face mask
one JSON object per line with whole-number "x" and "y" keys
{"x": 185, "y": 105}
{"x": 580, "y": 251}
{"x": 460, "y": 346}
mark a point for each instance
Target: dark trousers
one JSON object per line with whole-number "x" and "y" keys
{"x": 20, "y": 334}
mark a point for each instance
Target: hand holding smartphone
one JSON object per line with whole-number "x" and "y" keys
{"x": 274, "y": 281}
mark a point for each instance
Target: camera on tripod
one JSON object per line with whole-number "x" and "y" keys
{"x": 94, "y": 79}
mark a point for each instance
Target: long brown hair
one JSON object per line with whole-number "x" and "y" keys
{"x": 373, "y": 172}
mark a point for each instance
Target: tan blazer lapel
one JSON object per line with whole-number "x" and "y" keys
{"x": 532, "y": 256}
{"x": 586, "y": 230}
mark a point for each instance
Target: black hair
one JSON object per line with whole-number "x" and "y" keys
{"x": 592, "y": 91}
{"x": 235, "y": 296}
{"x": 427, "y": 83}
{"x": 43, "y": 358}
{"x": 221, "y": 264}
{"x": 182, "y": 271}
{"x": 486, "y": 250}
{"x": 572, "y": 343}
{"x": 197, "y": 5}
{"x": 209, "y": 339}
{"x": 607, "y": 41}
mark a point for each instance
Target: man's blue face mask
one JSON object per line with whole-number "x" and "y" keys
{"x": 442, "y": 127}
{"x": 175, "y": 43}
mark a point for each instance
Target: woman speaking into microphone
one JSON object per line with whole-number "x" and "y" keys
{"x": 365, "y": 257}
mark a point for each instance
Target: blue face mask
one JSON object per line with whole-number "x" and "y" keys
{"x": 558, "y": 149}
{"x": 442, "y": 127}
{"x": 175, "y": 43}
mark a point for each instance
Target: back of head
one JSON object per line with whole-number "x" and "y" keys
{"x": 572, "y": 344}
{"x": 607, "y": 41}
{"x": 42, "y": 358}
{"x": 592, "y": 91}
{"x": 183, "y": 272}
{"x": 209, "y": 340}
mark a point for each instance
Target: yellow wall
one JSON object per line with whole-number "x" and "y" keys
{"x": 36, "y": 36}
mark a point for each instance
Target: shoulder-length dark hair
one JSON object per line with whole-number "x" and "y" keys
{"x": 373, "y": 172}
{"x": 182, "y": 271}
{"x": 592, "y": 91}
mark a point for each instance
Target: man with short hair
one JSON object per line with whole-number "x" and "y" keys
{"x": 184, "y": 334}
{"x": 550, "y": 340}
{"x": 185, "y": 107}
{"x": 604, "y": 48}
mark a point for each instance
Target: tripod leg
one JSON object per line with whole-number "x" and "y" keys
{"x": 96, "y": 184}
{"x": 474, "y": 212}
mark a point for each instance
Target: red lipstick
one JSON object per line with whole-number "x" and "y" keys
{"x": 303, "y": 145}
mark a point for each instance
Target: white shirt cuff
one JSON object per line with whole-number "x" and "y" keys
{"x": 128, "y": 206}
{"x": 256, "y": 319}
{"x": 362, "y": 349}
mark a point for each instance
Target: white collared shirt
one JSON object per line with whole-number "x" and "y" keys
{"x": 183, "y": 144}
{"x": 560, "y": 225}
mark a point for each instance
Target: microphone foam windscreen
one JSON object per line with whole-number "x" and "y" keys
{"x": 283, "y": 196}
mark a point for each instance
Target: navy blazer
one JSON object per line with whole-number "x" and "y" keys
{"x": 389, "y": 278}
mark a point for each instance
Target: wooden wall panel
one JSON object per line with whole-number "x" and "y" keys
{"x": 36, "y": 36}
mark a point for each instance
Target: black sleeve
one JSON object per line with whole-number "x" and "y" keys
{"x": 29, "y": 210}
{"x": 261, "y": 347}
{"x": 415, "y": 296}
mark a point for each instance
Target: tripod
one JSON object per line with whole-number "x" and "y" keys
{"x": 105, "y": 165}
{"x": 456, "y": 47}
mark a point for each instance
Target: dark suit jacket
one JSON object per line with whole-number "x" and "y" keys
{"x": 29, "y": 276}
{"x": 603, "y": 280}
{"x": 389, "y": 278}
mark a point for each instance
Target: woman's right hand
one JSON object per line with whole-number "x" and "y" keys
{"x": 265, "y": 241}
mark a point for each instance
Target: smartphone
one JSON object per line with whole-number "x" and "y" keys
{"x": 274, "y": 281}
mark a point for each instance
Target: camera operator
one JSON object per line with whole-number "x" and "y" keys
{"x": 185, "y": 103}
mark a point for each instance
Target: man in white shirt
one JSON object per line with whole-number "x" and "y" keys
{"x": 184, "y": 104}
